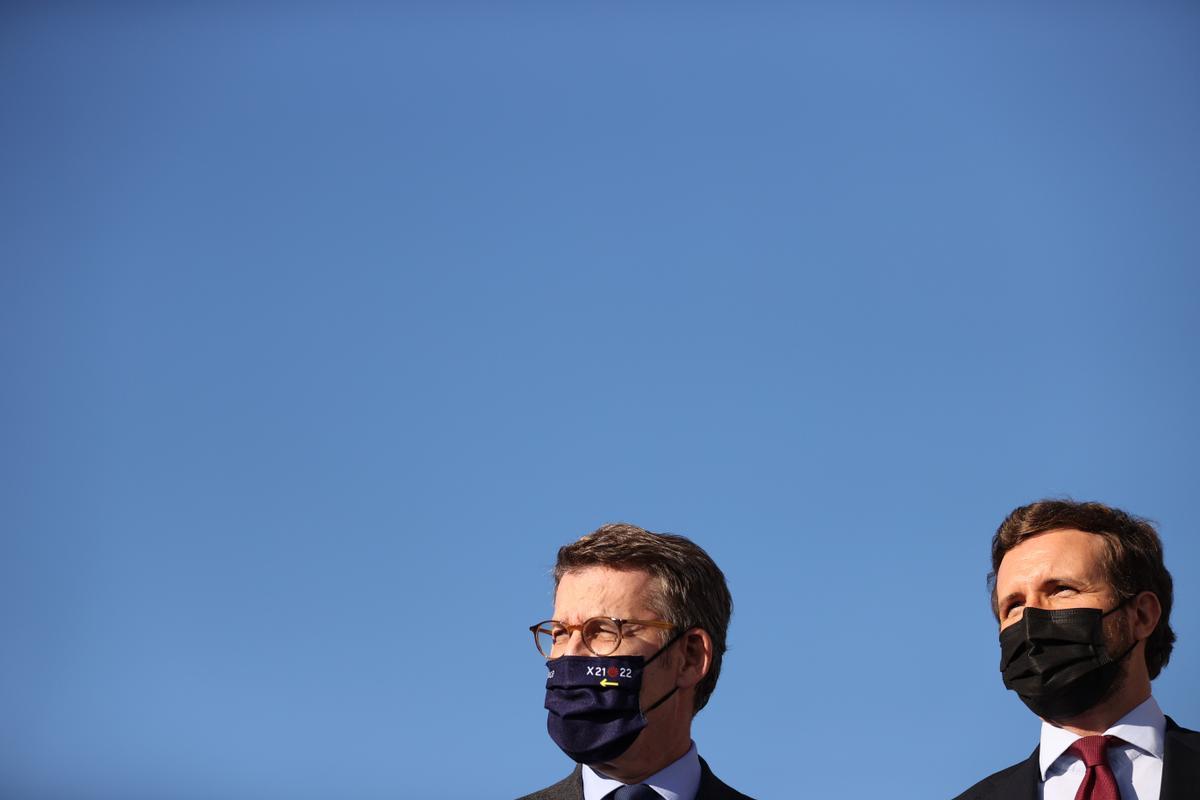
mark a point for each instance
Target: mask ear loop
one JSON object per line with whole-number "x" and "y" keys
{"x": 661, "y": 700}
{"x": 1116, "y": 608}
{"x": 1125, "y": 654}
{"x": 1129, "y": 649}
{"x": 662, "y": 650}
{"x": 672, "y": 641}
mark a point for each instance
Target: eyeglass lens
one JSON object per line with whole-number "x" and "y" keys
{"x": 600, "y": 635}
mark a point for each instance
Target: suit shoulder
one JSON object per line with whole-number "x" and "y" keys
{"x": 1020, "y": 778}
{"x": 713, "y": 788}
{"x": 1182, "y": 732}
{"x": 569, "y": 788}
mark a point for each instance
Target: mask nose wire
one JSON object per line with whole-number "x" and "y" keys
{"x": 1023, "y": 618}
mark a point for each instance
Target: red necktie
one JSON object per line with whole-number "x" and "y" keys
{"x": 1098, "y": 782}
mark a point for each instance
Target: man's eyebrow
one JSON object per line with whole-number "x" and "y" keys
{"x": 1074, "y": 583}
{"x": 1011, "y": 597}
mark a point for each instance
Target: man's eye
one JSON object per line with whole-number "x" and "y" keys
{"x": 559, "y": 634}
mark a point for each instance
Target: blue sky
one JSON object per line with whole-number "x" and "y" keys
{"x": 324, "y": 326}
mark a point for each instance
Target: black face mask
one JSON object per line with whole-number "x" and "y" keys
{"x": 1056, "y": 661}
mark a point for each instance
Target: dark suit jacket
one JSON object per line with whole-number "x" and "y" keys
{"x": 1180, "y": 779}
{"x": 571, "y": 788}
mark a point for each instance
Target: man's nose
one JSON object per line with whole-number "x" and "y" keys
{"x": 575, "y": 646}
{"x": 1015, "y": 618}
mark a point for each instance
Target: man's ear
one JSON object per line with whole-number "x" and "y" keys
{"x": 696, "y": 648}
{"x": 1146, "y": 613}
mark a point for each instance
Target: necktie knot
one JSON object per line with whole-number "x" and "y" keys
{"x": 1098, "y": 781}
{"x": 636, "y": 791}
{"x": 1091, "y": 749}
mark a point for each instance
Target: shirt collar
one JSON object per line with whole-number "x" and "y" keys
{"x": 1144, "y": 727}
{"x": 679, "y": 780}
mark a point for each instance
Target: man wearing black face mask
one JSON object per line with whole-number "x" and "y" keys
{"x": 1084, "y": 604}
{"x": 632, "y": 654}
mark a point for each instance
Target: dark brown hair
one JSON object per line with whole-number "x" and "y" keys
{"x": 1133, "y": 557}
{"x": 691, "y": 587}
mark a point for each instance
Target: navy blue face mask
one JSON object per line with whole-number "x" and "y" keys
{"x": 593, "y": 703}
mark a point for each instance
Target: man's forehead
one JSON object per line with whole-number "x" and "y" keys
{"x": 606, "y": 591}
{"x": 1055, "y": 550}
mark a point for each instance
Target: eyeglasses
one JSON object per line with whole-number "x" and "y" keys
{"x": 601, "y": 635}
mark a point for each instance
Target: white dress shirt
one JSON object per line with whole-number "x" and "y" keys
{"x": 1137, "y": 764}
{"x": 679, "y": 780}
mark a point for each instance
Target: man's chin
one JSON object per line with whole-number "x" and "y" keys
{"x": 1115, "y": 690}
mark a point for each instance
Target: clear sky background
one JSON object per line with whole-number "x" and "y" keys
{"x": 325, "y": 325}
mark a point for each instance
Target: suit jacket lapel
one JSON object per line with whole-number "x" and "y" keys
{"x": 574, "y": 789}
{"x": 713, "y": 788}
{"x": 1181, "y": 763}
{"x": 1029, "y": 777}
{"x": 710, "y": 787}
{"x": 569, "y": 788}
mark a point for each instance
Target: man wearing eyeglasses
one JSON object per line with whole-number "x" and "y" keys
{"x": 632, "y": 654}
